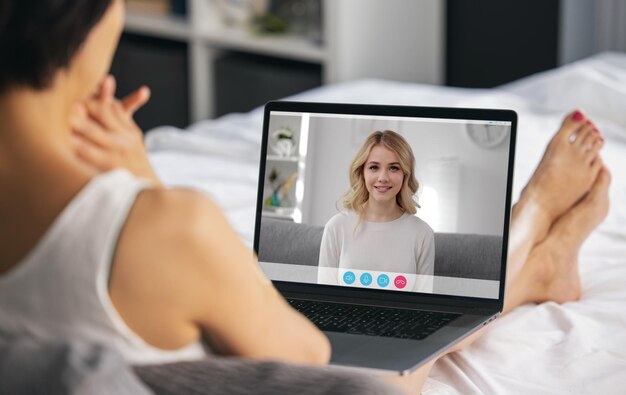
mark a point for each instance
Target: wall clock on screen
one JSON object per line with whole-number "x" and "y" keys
{"x": 487, "y": 135}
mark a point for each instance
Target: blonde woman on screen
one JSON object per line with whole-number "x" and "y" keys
{"x": 379, "y": 230}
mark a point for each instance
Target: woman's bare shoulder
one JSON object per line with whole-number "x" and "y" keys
{"x": 174, "y": 225}
{"x": 178, "y": 208}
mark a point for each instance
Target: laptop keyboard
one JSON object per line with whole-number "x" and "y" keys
{"x": 371, "y": 320}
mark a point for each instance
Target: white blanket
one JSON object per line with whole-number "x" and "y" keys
{"x": 576, "y": 347}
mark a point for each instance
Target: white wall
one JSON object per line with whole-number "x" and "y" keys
{"x": 391, "y": 39}
{"x": 588, "y": 27}
{"x": 577, "y": 30}
{"x": 610, "y": 25}
{"x": 469, "y": 180}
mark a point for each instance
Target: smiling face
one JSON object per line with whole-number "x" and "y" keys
{"x": 383, "y": 175}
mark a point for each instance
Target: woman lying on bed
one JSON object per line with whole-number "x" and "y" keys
{"x": 107, "y": 256}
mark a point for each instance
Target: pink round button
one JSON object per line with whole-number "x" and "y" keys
{"x": 400, "y": 282}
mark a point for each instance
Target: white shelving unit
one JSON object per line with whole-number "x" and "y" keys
{"x": 390, "y": 39}
{"x": 171, "y": 26}
{"x": 291, "y": 165}
{"x": 285, "y": 46}
{"x": 276, "y": 158}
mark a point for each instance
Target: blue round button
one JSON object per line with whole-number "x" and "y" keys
{"x": 383, "y": 280}
{"x": 366, "y": 279}
{"x": 349, "y": 277}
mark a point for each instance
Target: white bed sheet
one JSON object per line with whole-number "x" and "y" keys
{"x": 576, "y": 347}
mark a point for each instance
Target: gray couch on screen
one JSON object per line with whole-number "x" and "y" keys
{"x": 456, "y": 255}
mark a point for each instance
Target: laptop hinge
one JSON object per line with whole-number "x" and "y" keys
{"x": 484, "y": 311}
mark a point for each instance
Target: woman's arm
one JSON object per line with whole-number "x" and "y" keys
{"x": 181, "y": 270}
{"x": 425, "y": 252}
{"x": 329, "y": 256}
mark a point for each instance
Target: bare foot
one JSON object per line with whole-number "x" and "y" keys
{"x": 551, "y": 273}
{"x": 568, "y": 167}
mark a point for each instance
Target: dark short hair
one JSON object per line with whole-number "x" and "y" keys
{"x": 40, "y": 37}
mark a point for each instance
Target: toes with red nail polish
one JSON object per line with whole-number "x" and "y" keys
{"x": 578, "y": 116}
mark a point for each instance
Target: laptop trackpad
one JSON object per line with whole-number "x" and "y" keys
{"x": 379, "y": 353}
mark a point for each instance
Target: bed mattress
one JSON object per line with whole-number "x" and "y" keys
{"x": 577, "y": 347}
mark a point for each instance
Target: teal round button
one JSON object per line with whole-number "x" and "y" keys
{"x": 366, "y": 279}
{"x": 382, "y": 280}
{"x": 349, "y": 277}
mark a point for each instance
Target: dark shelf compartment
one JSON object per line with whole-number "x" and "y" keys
{"x": 244, "y": 81}
{"x": 492, "y": 42}
{"x": 162, "y": 65}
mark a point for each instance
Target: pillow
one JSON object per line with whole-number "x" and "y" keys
{"x": 235, "y": 376}
{"x": 29, "y": 367}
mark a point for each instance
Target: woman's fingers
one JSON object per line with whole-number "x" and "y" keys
{"x": 106, "y": 93}
{"x": 112, "y": 113}
{"x": 135, "y": 100}
{"x": 92, "y": 131}
{"x": 105, "y": 114}
{"x": 105, "y": 135}
{"x": 94, "y": 155}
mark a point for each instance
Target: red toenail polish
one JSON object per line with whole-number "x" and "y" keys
{"x": 578, "y": 116}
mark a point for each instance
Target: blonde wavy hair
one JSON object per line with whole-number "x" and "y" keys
{"x": 357, "y": 196}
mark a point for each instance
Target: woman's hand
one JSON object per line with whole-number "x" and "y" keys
{"x": 105, "y": 135}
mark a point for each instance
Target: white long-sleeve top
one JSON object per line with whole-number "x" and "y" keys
{"x": 405, "y": 245}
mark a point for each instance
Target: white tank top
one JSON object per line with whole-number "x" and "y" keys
{"x": 60, "y": 289}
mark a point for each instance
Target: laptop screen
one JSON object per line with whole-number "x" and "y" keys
{"x": 393, "y": 203}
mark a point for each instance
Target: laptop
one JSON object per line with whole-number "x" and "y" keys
{"x": 389, "y": 303}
